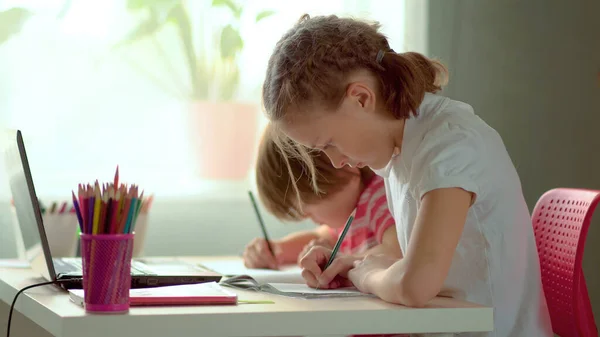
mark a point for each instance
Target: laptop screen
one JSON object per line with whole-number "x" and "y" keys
{"x": 27, "y": 207}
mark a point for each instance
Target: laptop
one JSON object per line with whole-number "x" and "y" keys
{"x": 144, "y": 272}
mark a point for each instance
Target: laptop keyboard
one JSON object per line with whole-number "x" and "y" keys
{"x": 74, "y": 266}
{"x": 64, "y": 267}
{"x": 138, "y": 268}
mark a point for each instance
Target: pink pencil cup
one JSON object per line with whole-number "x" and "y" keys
{"x": 106, "y": 272}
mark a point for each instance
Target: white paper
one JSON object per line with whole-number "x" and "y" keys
{"x": 287, "y": 274}
{"x": 304, "y": 289}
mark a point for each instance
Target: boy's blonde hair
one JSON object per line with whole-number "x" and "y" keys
{"x": 284, "y": 184}
{"x": 312, "y": 61}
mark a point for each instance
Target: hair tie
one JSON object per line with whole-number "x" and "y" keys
{"x": 381, "y": 54}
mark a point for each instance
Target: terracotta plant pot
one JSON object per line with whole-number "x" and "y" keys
{"x": 223, "y": 138}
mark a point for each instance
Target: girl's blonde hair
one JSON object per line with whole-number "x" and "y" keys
{"x": 284, "y": 184}
{"x": 312, "y": 61}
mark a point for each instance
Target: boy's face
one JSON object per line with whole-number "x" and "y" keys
{"x": 333, "y": 210}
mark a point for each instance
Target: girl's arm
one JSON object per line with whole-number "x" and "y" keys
{"x": 293, "y": 244}
{"x": 419, "y": 276}
{"x": 389, "y": 245}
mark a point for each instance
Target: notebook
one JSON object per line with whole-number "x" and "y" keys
{"x": 287, "y": 274}
{"x": 297, "y": 290}
{"x": 209, "y": 293}
{"x": 287, "y": 281}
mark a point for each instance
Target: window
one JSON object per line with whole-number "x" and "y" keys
{"x": 85, "y": 107}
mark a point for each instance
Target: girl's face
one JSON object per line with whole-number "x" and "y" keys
{"x": 333, "y": 210}
{"x": 357, "y": 133}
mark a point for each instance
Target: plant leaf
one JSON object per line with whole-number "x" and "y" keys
{"x": 141, "y": 4}
{"x": 144, "y": 29}
{"x": 137, "y": 4}
{"x": 231, "y": 42}
{"x": 159, "y": 7}
{"x": 264, "y": 14}
{"x": 179, "y": 15}
{"x": 237, "y": 11}
{"x": 11, "y": 22}
{"x": 159, "y": 14}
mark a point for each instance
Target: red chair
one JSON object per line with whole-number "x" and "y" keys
{"x": 561, "y": 219}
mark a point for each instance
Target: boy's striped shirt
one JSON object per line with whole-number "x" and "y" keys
{"x": 371, "y": 221}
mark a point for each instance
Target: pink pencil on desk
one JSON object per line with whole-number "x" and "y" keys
{"x": 117, "y": 177}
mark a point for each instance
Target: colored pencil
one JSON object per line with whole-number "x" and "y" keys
{"x": 114, "y": 211}
{"x": 116, "y": 182}
{"x": 133, "y": 205}
{"x": 123, "y": 216}
{"x": 97, "y": 204}
{"x": 102, "y": 217}
{"x": 63, "y": 208}
{"x": 138, "y": 209}
{"x": 90, "y": 216}
{"x": 107, "y": 216}
{"x": 77, "y": 212}
{"x": 108, "y": 208}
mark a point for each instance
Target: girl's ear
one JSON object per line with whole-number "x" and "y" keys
{"x": 362, "y": 95}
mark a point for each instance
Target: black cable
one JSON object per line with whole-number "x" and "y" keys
{"x": 12, "y": 306}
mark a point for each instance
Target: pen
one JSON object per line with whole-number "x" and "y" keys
{"x": 338, "y": 244}
{"x": 261, "y": 222}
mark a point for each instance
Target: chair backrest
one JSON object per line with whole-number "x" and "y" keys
{"x": 560, "y": 220}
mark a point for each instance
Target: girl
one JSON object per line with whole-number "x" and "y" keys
{"x": 341, "y": 191}
{"x": 334, "y": 84}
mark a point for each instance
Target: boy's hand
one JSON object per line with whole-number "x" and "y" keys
{"x": 316, "y": 242}
{"x": 336, "y": 276}
{"x": 258, "y": 255}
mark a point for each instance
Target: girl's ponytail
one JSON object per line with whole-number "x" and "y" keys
{"x": 406, "y": 77}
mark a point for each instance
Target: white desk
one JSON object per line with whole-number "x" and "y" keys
{"x": 51, "y": 308}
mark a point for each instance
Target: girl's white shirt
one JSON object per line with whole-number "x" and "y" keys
{"x": 496, "y": 262}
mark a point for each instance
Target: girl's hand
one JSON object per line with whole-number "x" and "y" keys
{"x": 258, "y": 255}
{"x": 335, "y": 276}
{"x": 313, "y": 243}
{"x": 367, "y": 269}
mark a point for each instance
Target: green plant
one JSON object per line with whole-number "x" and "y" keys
{"x": 11, "y": 22}
{"x": 204, "y": 73}
{"x": 13, "y": 19}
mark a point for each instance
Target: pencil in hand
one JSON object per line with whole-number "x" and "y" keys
{"x": 261, "y": 223}
{"x": 340, "y": 240}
